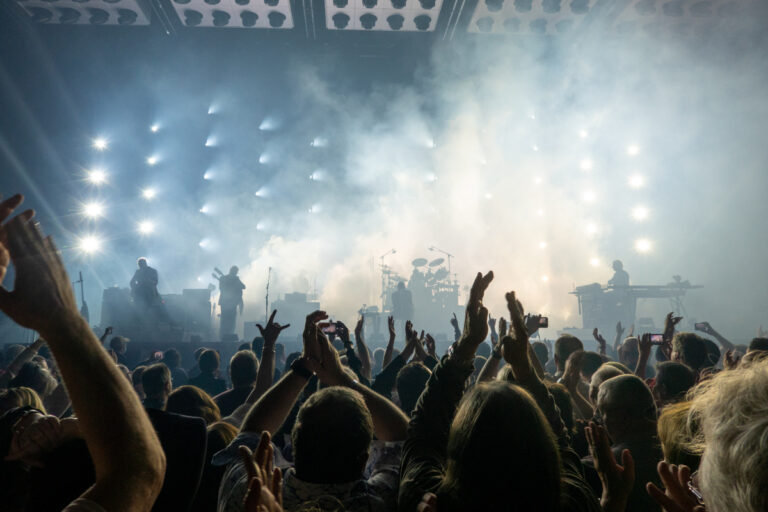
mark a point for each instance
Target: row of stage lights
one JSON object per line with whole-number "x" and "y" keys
{"x": 93, "y": 210}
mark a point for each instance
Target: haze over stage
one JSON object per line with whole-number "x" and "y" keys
{"x": 617, "y": 133}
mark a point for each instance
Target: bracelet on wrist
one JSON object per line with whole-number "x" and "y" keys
{"x": 299, "y": 368}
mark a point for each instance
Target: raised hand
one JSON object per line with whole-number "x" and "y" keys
{"x": 669, "y": 326}
{"x": 272, "y": 331}
{"x": 617, "y": 480}
{"x": 431, "y": 345}
{"x": 492, "y": 324}
{"x": 705, "y": 328}
{"x": 455, "y": 322}
{"x": 678, "y": 496}
{"x": 265, "y": 482}
{"x": 359, "y": 328}
{"x": 391, "y": 325}
{"x": 572, "y": 373}
{"x": 619, "y": 329}
{"x": 325, "y": 361}
{"x": 475, "y": 319}
{"x": 514, "y": 346}
{"x": 42, "y": 298}
{"x": 502, "y": 327}
{"x": 600, "y": 340}
{"x": 311, "y": 347}
{"x": 532, "y": 324}
{"x": 36, "y": 435}
{"x": 644, "y": 346}
{"x": 410, "y": 334}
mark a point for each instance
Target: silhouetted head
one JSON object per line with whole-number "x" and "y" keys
{"x": 627, "y": 407}
{"x": 502, "y": 419}
{"x": 566, "y": 345}
{"x": 689, "y": 348}
{"x": 118, "y": 344}
{"x": 193, "y": 401}
{"x": 243, "y": 368}
{"x": 673, "y": 380}
{"x": 411, "y": 381}
{"x": 142, "y": 262}
{"x": 172, "y": 358}
{"x": 332, "y": 437}
{"x": 233, "y": 270}
{"x": 401, "y": 285}
{"x": 156, "y": 382}
{"x": 209, "y": 361}
{"x": 618, "y": 265}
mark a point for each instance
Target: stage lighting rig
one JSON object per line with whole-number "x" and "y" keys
{"x": 96, "y": 176}
{"x": 382, "y": 15}
{"x": 91, "y": 12}
{"x": 548, "y": 17}
{"x": 269, "y": 14}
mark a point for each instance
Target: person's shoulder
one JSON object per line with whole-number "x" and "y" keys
{"x": 171, "y": 418}
{"x": 84, "y": 505}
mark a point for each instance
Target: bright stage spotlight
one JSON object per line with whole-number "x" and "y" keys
{"x": 319, "y": 142}
{"x": 432, "y": 177}
{"x": 210, "y": 141}
{"x": 542, "y": 245}
{"x": 540, "y": 212}
{"x": 152, "y": 160}
{"x": 154, "y": 128}
{"x": 93, "y": 210}
{"x": 544, "y": 279}
{"x": 205, "y": 209}
{"x": 262, "y": 192}
{"x": 643, "y": 245}
{"x": 637, "y": 181}
{"x": 640, "y": 213}
{"x": 633, "y": 150}
{"x": 318, "y": 175}
{"x": 264, "y": 158}
{"x": 595, "y": 262}
{"x": 146, "y": 227}
{"x": 100, "y": 143}
{"x": 537, "y": 180}
{"x": 588, "y": 196}
{"x": 431, "y": 143}
{"x": 267, "y": 124}
{"x": 212, "y": 110}
{"x": 591, "y": 228}
{"x": 149, "y": 193}
{"x": 586, "y": 164}
{"x": 488, "y": 195}
{"x": 89, "y": 244}
{"x": 583, "y": 134}
{"x": 208, "y": 175}
{"x": 96, "y": 176}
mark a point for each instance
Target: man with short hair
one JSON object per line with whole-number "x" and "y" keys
{"x": 673, "y": 380}
{"x": 243, "y": 368}
{"x": 172, "y": 360}
{"x": 689, "y": 348}
{"x": 183, "y": 439}
{"x": 628, "y": 413}
{"x": 120, "y": 345}
{"x": 411, "y": 381}
{"x": 565, "y": 345}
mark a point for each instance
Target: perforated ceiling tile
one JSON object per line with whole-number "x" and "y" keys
{"x": 86, "y": 12}
{"x": 528, "y": 16}
{"x": 382, "y": 15}
{"x": 650, "y": 16}
{"x": 273, "y": 14}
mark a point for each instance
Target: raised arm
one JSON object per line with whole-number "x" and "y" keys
{"x": 269, "y": 411}
{"x": 266, "y": 373}
{"x": 617, "y": 339}
{"x": 391, "y": 343}
{"x": 25, "y": 356}
{"x": 708, "y": 329}
{"x": 644, "y": 348}
{"x": 389, "y": 422}
{"x": 362, "y": 349}
{"x": 128, "y": 460}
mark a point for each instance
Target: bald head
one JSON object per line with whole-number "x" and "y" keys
{"x": 626, "y": 399}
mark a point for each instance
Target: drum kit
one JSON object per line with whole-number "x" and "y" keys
{"x": 435, "y": 274}
{"x": 430, "y": 278}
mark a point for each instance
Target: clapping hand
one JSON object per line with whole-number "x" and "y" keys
{"x": 273, "y": 329}
{"x": 34, "y": 435}
{"x": 514, "y": 346}
{"x": 475, "y": 319}
{"x": 265, "y": 482}
{"x": 617, "y": 480}
{"x": 572, "y": 373}
{"x": 42, "y": 297}
{"x": 678, "y": 496}
{"x": 431, "y": 345}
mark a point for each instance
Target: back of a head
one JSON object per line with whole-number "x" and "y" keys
{"x": 172, "y": 358}
{"x": 20, "y": 397}
{"x": 627, "y": 399}
{"x": 197, "y": 353}
{"x": 731, "y": 409}
{"x": 209, "y": 361}
{"x": 117, "y": 343}
{"x": 691, "y": 349}
{"x": 332, "y": 437}
{"x": 411, "y": 381}
{"x": 193, "y": 401}
{"x": 502, "y": 419}
{"x": 605, "y": 372}
{"x": 673, "y": 380}
{"x": 243, "y": 368}
{"x": 590, "y": 363}
{"x": 566, "y": 345}
{"x": 677, "y": 441}
{"x": 378, "y": 356}
{"x": 563, "y": 401}
{"x": 758, "y": 344}
{"x": 33, "y": 375}
{"x": 155, "y": 378}
{"x": 541, "y": 351}
{"x": 136, "y": 375}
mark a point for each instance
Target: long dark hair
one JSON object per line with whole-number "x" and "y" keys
{"x": 501, "y": 454}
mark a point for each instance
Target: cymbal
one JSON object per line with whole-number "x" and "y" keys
{"x": 419, "y": 262}
{"x": 436, "y": 262}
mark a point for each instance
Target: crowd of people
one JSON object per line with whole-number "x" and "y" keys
{"x": 496, "y": 423}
